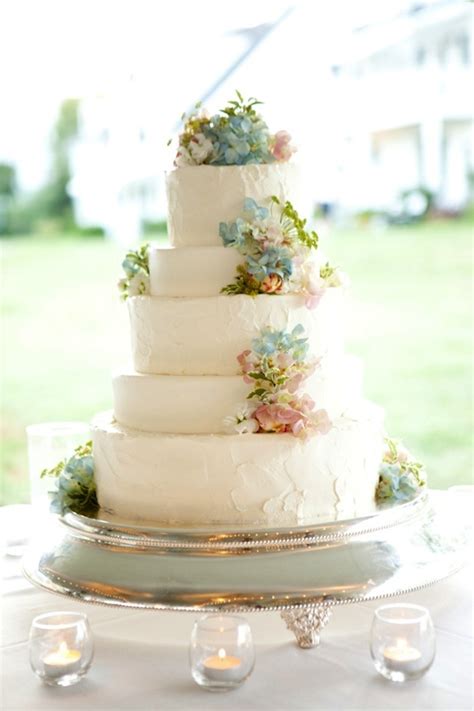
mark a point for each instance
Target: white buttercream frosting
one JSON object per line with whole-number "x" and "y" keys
{"x": 198, "y": 404}
{"x": 200, "y": 197}
{"x": 273, "y": 479}
{"x": 203, "y": 336}
{"x": 192, "y": 271}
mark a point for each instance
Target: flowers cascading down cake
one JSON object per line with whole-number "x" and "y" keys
{"x": 242, "y": 406}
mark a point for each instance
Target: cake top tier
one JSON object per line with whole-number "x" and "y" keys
{"x": 235, "y": 135}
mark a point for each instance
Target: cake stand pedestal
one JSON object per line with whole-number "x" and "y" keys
{"x": 307, "y": 623}
{"x": 303, "y": 572}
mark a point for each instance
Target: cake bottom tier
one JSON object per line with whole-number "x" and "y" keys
{"x": 251, "y": 479}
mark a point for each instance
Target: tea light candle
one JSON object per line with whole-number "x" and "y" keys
{"x": 402, "y": 657}
{"x": 62, "y": 661}
{"x": 222, "y": 667}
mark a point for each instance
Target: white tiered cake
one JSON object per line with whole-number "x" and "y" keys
{"x": 166, "y": 454}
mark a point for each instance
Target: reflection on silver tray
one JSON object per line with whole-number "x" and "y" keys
{"x": 397, "y": 550}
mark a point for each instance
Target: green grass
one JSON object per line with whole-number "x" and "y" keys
{"x": 64, "y": 330}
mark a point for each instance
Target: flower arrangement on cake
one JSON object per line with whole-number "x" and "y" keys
{"x": 276, "y": 367}
{"x": 137, "y": 273}
{"x": 75, "y": 483}
{"x": 236, "y": 135}
{"x": 278, "y": 251}
{"x": 401, "y": 477}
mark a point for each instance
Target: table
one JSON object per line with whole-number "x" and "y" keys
{"x": 141, "y": 658}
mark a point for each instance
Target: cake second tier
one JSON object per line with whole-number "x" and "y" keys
{"x": 199, "y": 404}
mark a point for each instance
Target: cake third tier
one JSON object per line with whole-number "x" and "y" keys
{"x": 203, "y": 336}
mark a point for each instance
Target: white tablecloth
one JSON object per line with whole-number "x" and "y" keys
{"x": 141, "y": 658}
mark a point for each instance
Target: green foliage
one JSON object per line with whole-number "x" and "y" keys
{"x": 294, "y": 224}
{"x": 244, "y": 283}
{"x": 7, "y": 180}
{"x": 239, "y": 106}
{"x": 154, "y": 227}
{"x": 392, "y": 457}
{"x": 418, "y": 365}
{"x": 51, "y": 204}
{"x": 326, "y": 271}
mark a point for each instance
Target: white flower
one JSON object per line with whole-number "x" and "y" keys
{"x": 311, "y": 278}
{"x": 122, "y": 284}
{"x": 200, "y": 148}
{"x": 242, "y": 422}
{"x": 247, "y": 426}
{"x": 183, "y": 158}
{"x": 274, "y": 233}
{"x": 139, "y": 284}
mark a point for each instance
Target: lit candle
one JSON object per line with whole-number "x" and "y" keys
{"x": 402, "y": 657}
{"x": 62, "y": 661}
{"x": 222, "y": 666}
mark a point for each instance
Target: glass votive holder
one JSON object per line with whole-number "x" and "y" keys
{"x": 221, "y": 653}
{"x": 61, "y": 647}
{"x": 402, "y": 641}
{"x": 48, "y": 444}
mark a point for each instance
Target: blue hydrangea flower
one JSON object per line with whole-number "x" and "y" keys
{"x": 270, "y": 342}
{"x": 253, "y": 212}
{"x": 274, "y": 260}
{"x": 75, "y": 486}
{"x": 233, "y": 234}
{"x": 130, "y": 268}
{"x": 395, "y": 483}
{"x": 239, "y": 140}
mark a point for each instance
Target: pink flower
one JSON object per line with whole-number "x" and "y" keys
{"x": 304, "y": 404}
{"x": 242, "y": 358}
{"x": 276, "y": 418}
{"x": 272, "y": 284}
{"x": 282, "y": 149}
{"x": 293, "y": 383}
{"x": 248, "y": 362}
{"x": 320, "y": 421}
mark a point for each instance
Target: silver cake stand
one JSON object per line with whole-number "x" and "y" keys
{"x": 302, "y": 572}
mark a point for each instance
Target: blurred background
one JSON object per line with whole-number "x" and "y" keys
{"x": 378, "y": 99}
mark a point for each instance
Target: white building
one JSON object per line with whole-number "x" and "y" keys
{"x": 406, "y": 91}
{"x": 383, "y": 110}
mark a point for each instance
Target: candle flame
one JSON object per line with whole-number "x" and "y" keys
{"x": 63, "y": 648}
{"x": 221, "y": 653}
{"x": 401, "y": 643}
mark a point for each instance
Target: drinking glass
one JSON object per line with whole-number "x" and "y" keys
{"x": 48, "y": 444}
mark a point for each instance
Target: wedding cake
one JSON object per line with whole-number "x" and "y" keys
{"x": 241, "y": 406}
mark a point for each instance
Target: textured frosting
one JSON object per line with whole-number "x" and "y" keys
{"x": 271, "y": 479}
{"x": 192, "y": 271}
{"x": 200, "y": 197}
{"x": 198, "y": 404}
{"x": 203, "y": 336}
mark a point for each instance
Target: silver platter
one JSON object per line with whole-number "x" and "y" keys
{"x": 392, "y": 551}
